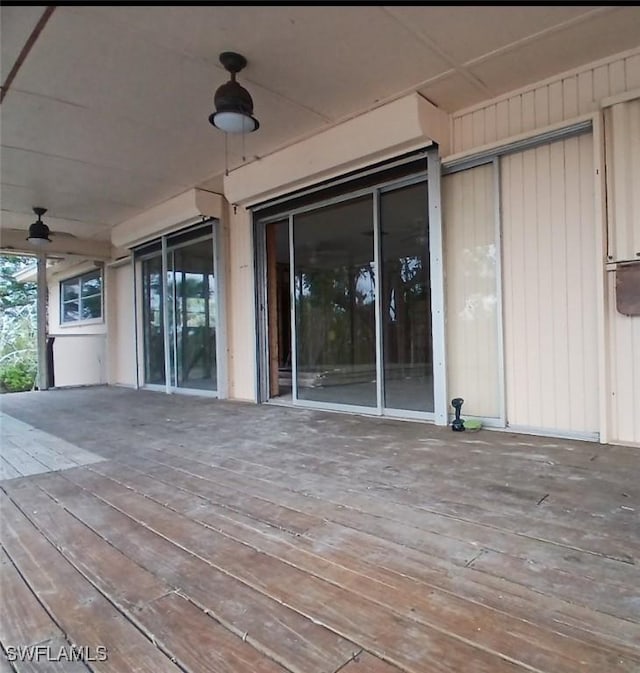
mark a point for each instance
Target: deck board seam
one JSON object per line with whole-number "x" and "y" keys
{"x": 42, "y": 604}
{"x": 320, "y": 577}
{"x": 120, "y": 609}
{"x": 387, "y": 607}
{"x": 175, "y": 590}
{"x": 417, "y": 508}
{"x": 178, "y": 590}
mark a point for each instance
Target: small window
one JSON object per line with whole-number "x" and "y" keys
{"x": 81, "y": 298}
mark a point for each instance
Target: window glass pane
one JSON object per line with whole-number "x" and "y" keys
{"x": 91, "y": 284}
{"x": 70, "y": 311}
{"x": 71, "y": 289}
{"x": 82, "y": 297}
{"x": 153, "y": 312}
{"x": 194, "y": 328}
{"x": 406, "y": 299}
{"x": 335, "y": 304}
{"x": 91, "y": 307}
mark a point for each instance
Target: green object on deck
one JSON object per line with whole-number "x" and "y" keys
{"x": 471, "y": 424}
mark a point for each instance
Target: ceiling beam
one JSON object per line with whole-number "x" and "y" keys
{"x": 24, "y": 52}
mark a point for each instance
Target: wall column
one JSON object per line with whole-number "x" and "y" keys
{"x": 43, "y": 370}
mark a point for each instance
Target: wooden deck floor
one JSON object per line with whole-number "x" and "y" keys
{"x": 229, "y": 538}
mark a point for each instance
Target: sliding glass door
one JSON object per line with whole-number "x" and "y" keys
{"x": 193, "y": 328}
{"x": 153, "y": 314}
{"x": 361, "y": 311}
{"x": 335, "y": 286}
{"x": 179, "y": 312}
{"x": 406, "y": 299}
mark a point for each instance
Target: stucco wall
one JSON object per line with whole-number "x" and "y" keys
{"x": 79, "y": 349}
{"x": 241, "y": 309}
{"x": 121, "y": 337}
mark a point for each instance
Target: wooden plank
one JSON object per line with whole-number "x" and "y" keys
{"x": 203, "y": 644}
{"x": 48, "y": 457}
{"x": 417, "y": 524}
{"x": 402, "y": 553}
{"x": 140, "y": 594}
{"x": 492, "y": 497}
{"x": 21, "y": 461}
{"x": 124, "y": 582}
{"x": 564, "y": 482}
{"x": 381, "y": 631}
{"x": 53, "y": 656}
{"x": 287, "y": 637}
{"x": 367, "y": 663}
{"x": 82, "y": 612}
{"x": 555, "y": 569}
{"x": 7, "y": 471}
{"x": 537, "y": 531}
{"x": 23, "y": 619}
{"x": 446, "y": 613}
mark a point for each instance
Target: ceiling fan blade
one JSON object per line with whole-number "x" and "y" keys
{"x": 62, "y": 234}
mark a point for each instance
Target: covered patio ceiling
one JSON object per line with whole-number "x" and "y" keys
{"x": 106, "y": 115}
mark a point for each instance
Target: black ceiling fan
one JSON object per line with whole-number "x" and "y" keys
{"x": 39, "y": 232}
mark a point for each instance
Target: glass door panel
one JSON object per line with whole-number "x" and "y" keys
{"x": 406, "y": 300}
{"x": 334, "y": 288}
{"x": 185, "y": 317}
{"x": 153, "y": 320}
{"x": 193, "y": 326}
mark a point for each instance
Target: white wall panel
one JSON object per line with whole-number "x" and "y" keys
{"x": 622, "y": 133}
{"x": 550, "y": 280}
{"x": 555, "y": 100}
{"x": 622, "y": 151}
{"x": 624, "y": 367}
{"x": 121, "y": 335}
{"x": 80, "y": 360}
{"x": 470, "y": 259}
{"x": 241, "y": 314}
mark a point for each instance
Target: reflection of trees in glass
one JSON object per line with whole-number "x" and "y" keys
{"x": 406, "y": 317}
{"x": 336, "y": 315}
{"x": 153, "y": 317}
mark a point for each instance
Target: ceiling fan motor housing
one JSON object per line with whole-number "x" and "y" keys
{"x": 39, "y": 231}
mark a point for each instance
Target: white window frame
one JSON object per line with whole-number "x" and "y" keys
{"x": 79, "y": 279}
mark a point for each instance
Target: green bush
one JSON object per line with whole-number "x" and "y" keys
{"x": 17, "y": 376}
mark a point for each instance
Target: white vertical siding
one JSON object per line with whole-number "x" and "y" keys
{"x": 622, "y": 151}
{"x": 469, "y": 223}
{"x": 622, "y": 132}
{"x": 550, "y": 316}
{"x": 624, "y": 367}
{"x": 545, "y": 103}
